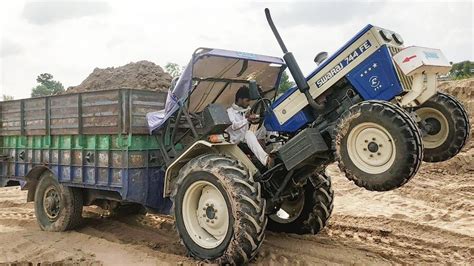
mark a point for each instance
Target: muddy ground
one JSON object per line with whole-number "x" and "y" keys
{"x": 429, "y": 220}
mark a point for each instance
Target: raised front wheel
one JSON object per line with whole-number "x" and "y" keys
{"x": 378, "y": 145}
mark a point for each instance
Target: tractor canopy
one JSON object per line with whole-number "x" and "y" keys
{"x": 214, "y": 76}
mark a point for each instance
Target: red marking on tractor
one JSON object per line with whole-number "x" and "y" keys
{"x": 407, "y": 59}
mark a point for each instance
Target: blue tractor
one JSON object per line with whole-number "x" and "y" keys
{"x": 365, "y": 107}
{"x": 374, "y": 65}
{"x": 370, "y": 107}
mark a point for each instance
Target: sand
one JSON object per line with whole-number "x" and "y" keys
{"x": 143, "y": 75}
{"x": 429, "y": 220}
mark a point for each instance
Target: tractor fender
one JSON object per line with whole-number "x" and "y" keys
{"x": 203, "y": 147}
{"x": 32, "y": 179}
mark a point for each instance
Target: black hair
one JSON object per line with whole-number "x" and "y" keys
{"x": 242, "y": 93}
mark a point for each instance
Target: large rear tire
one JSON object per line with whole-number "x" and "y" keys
{"x": 309, "y": 212}
{"x": 447, "y": 127}
{"x": 378, "y": 145}
{"x": 219, "y": 211}
{"x": 57, "y": 207}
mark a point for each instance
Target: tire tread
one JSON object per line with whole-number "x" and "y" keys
{"x": 246, "y": 198}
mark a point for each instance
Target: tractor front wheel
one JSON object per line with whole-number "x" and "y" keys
{"x": 219, "y": 211}
{"x": 446, "y": 126}
{"x": 378, "y": 145}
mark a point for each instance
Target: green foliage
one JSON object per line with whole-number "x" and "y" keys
{"x": 174, "y": 69}
{"x": 7, "y": 97}
{"x": 47, "y": 86}
{"x": 462, "y": 70}
{"x": 285, "y": 83}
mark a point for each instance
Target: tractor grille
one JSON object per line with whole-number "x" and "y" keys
{"x": 404, "y": 79}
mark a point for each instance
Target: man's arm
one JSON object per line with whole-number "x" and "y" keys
{"x": 236, "y": 124}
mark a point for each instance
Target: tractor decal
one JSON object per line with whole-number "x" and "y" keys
{"x": 345, "y": 62}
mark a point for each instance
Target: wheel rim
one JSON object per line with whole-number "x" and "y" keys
{"x": 205, "y": 214}
{"x": 289, "y": 210}
{"x": 438, "y": 127}
{"x": 51, "y": 203}
{"x": 371, "y": 148}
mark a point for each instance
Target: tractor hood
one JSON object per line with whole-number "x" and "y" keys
{"x": 214, "y": 76}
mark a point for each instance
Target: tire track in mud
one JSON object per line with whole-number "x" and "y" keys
{"x": 13, "y": 205}
{"x": 289, "y": 249}
{"x": 406, "y": 241}
{"x": 151, "y": 233}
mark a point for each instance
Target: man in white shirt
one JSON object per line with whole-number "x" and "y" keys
{"x": 239, "y": 130}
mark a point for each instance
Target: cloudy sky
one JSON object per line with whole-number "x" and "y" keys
{"x": 70, "y": 38}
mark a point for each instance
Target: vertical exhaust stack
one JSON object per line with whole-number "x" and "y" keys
{"x": 293, "y": 66}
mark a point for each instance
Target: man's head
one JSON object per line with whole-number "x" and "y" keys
{"x": 242, "y": 97}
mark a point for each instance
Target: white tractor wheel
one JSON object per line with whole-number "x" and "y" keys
{"x": 378, "y": 145}
{"x": 219, "y": 211}
{"x": 446, "y": 126}
{"x": 205, "y": 214}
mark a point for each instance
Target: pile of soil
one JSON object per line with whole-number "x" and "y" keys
{"x": 143, "y": 75}
{"x": 463, "y": 90}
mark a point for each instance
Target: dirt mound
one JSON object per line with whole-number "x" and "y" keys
{"x": 463, "y": 90}
{"x": 144, "y": 75}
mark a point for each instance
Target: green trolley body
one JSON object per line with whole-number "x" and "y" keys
{"x": 93, "y": 140}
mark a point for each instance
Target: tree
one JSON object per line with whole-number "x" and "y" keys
{"x": 7, "y": 97}
{"x": 285, "y": 83}
{"x": 174, "y": 69}
{"x": 462, "y": 70}
{"x": 47, "y": 86}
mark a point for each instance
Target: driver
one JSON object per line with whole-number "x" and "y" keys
{"x": 239, "y": 130}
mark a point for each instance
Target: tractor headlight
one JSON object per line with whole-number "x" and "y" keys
{"x": 386, "y": 35}
{"x": 398, "y": 39}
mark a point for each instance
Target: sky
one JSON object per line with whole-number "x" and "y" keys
{"x": 70, "y": 38}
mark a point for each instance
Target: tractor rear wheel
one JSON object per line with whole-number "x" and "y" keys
{"x": 378, "y": 145}
{"x": 446, "y": 124}
{"x": 309, "y": 212}
{"x": 57, "y": 207}
{"x": 219, "y": 211}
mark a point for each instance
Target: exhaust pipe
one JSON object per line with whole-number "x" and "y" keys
{"x": 293, "y": 66}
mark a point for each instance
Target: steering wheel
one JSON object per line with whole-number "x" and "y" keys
{"x": 259, "y": 108}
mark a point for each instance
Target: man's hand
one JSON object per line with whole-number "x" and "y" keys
{"x": 252, "y": 117}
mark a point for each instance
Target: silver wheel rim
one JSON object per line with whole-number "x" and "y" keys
{"x": 289, "y": 211}
{"x": 435, "y": 140}
{"x": 205, "y": 214}
{"x": 371, "y": 148}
